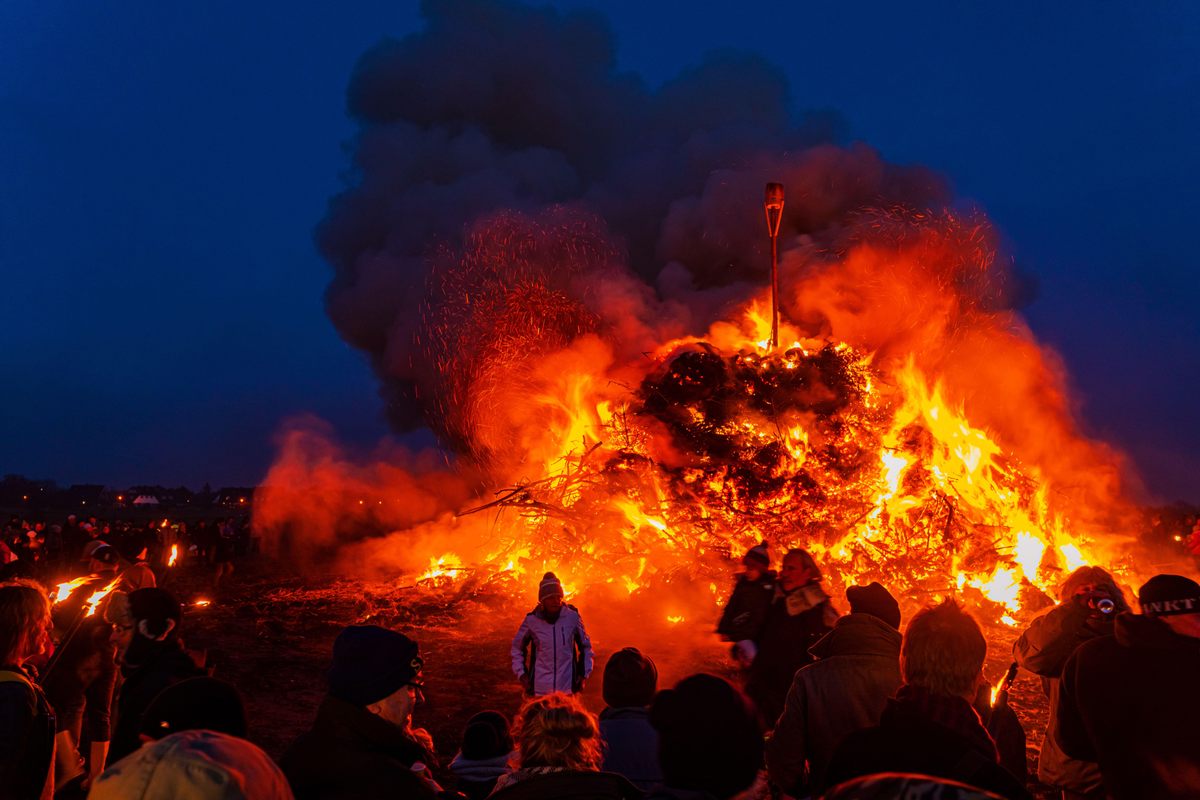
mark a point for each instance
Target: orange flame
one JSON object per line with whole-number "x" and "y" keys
{"x": 64, "y": 590}
{"x": 98, "y": 596}
{"x": 174, "y": 555}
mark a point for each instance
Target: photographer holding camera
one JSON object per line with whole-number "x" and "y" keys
{"x": 1089, "y": 600}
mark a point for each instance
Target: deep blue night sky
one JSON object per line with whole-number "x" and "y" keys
{"x": 163, "y": 168}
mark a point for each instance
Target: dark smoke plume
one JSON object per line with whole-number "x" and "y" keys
{"x": 497, "y": 106}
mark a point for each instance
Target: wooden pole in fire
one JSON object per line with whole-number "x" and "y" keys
{"x": 773, "y": 205}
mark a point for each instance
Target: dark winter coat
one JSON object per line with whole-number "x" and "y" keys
{"x": 846, "y": 690}
{"x": 26, "y": 736}
{"x": 794, "y": 623}
{"x": 1131, "y": 703}
{"x": 630, "y": 745}
{"x": 80, "y": 688}
{"x": 352, "y": 754}
{"x": 1044, "y": 649}
{"x": 568, "y": 785}
{"x": 907, "y": 741}
{"x": 747, "y": 608}
{"x": 160, "y": 664}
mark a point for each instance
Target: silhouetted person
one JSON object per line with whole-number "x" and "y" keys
{"x": 930, "y": 727}
{"x": 1131, "y": 701}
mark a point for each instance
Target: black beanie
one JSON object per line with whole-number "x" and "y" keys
{"x": 1167, "y": 595}
{"x": 196, "y": 704}
{"x": 708, "y": 737}
{"x": 630, "y": 679}
{"x": 155, "y": 607}
{"x": 486, "y": 737}
{"x": 371, "y": 663}
{"x": 875, "y": 600}
{"x": 106, "y": 554}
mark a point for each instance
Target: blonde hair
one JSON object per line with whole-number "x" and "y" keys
{"x": 555, "y": 730}
{"x": 23, "y": 604}
{"x": 943, "y": 650}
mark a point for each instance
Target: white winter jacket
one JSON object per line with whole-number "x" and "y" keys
{"x": 560, "y": 652}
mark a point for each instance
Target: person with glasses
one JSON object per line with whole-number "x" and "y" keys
{"x": 362, "y": 743}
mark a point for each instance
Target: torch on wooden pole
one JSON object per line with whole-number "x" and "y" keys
{"x": 773, "y": 205}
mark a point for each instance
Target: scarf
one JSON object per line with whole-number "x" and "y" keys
{"x": 803, "y": 599}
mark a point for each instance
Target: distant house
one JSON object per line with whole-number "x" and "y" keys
{"x": 235, "y": 496}
{"x": 143, "y": 500}
{"x": 89, "y": 495}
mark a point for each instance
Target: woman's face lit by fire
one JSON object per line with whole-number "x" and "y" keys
{"x": 796, "y": 571}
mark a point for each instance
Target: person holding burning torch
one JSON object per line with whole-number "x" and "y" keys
{"x": 551, "y": 651}
{"x": 1089, "y": 599}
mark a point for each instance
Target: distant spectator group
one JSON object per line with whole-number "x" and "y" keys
{"x": 112, "y": 705}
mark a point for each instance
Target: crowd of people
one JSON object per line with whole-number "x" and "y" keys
{"x": 49, "y": 551}
{"x": 839, "y": 706}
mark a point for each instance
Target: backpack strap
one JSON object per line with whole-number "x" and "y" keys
{"x": 12, "y": 676}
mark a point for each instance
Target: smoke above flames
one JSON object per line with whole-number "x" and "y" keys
{"x": 529, "y": 234}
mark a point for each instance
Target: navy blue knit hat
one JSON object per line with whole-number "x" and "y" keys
{"x": 371, "y": 663}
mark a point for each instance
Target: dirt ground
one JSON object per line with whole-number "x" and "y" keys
{"x": 271, "y": 635}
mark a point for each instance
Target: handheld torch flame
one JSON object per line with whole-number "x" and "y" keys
{"x": 174, "y": 555}
{"x": 999, "y": 687}
{"x": 63, "y": 591}
{"x": 98, "y": 596}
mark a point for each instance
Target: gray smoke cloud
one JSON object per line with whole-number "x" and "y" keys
{"x": 501, "y": 107}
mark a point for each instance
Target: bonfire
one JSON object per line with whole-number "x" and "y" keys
{"x": 633, "y": 471}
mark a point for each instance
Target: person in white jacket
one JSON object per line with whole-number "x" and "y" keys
{"x": 551, "y": 651}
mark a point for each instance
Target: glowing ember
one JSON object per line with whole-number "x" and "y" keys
{"x": 448, "y": 566}
{"x": 202, "y": 603}
{"x": 674, "y": 620}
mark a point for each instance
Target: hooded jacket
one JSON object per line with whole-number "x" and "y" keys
{"x": 846, "y": 690}
{"x": 559, "y": 653}
{"x": 1130, "y": 703}
{"x": 1044, "y": 649}
{"x": 631, "y": 745}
